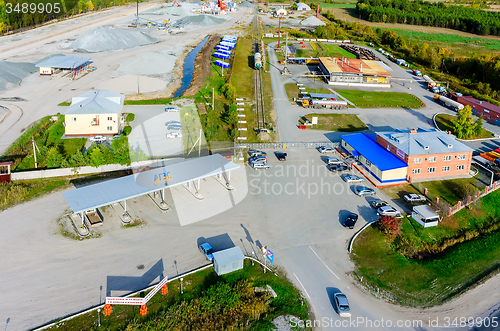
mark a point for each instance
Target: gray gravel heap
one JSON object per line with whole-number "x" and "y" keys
{"x": 312, "y": 21}
{"x": 14, "y": 72}
{"x": 199, "y": 20}
{"x": 109, "y": 39}
{"x": 282, "y": 323}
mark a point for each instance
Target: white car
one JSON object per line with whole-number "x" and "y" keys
{"x": 97, "y": 139}
{"x": 412, "y": 197}
{"x": 352, "y": 179}
{"x": 172, "y": 109}
{"x": 332, "y": 160}
{"x": 172, "y": 135}
{"x": 324, "y": 149}
{"x": 259, "y": 165}
{"x": 389, "y": 211}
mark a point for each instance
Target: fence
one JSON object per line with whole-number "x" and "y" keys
{"x": 470, "y": 199}
{"x": 283, "y": 145}
{"x": 86, "y": 170}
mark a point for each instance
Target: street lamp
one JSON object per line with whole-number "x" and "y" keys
{"x": 98, "y": 316}
{"x": 253, "y": 255}
{"x": 181, "y": 285}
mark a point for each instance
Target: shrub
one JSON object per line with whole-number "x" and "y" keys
{"x": 130, "y": 117}
{"x": 390, "y": 225}
{"x": 126, "y": 130}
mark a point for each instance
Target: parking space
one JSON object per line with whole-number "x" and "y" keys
{"x": 149, "y": 132}
{"x": 303, "y": 187}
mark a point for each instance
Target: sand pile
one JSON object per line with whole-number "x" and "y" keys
{"x": 312, "y": 21}
{"x": 199, "y": 21}
{"x": 109, "y": 39}
{"x": 12, "y": 73}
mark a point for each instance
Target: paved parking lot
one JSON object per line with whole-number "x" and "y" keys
{"x": 149, "y": 131}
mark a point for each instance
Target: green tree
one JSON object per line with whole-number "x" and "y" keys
{"x": 478, "y": 127}
{"x": 76, "y": 160}
{"x": 463, "y": 126}
{"x": 53, "y": 158}
{"x": 138, "y": 155}
{"x": 95, "y": 157}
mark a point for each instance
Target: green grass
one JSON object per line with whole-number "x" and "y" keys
{"x": 327, "y": 6}
{"x": 46, "y": 133}
{"x": 444, "y": 123}
{"x": 163, "y": 101}
{"x": 64, "y": 104}
{"x": 20, "y": 191}
{"x": 457, "y": 43}
{"x": 195, "y": 286}
{"x": 365, "y": 99}
{"x": 243, "y": 69}
{"x": 423, "y": 283}
{"x": 336, "y": 122}
{"x": 450, "y": 190}
{"x": 292, "y": 91}
{"x": 323, "y": 50}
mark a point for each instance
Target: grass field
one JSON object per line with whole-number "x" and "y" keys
{"x": 335, "y": 122}
{"x": 444, "y": 122}
{"x": 365, "y": 99}
{"x": 427, "y": 282}
{"x": 148, "y": 102}
{"x": 183, "y": 312}
{"x": 324, "y": 49}
{"x": 327, "y": 6}
{"x": 456, "y": 42}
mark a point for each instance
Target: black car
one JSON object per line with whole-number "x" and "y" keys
{"x": 377, "y": 203}
{"x": 280, "y": 156}
{"x": 337, "y": 168}
{"x": 350, "y": 220}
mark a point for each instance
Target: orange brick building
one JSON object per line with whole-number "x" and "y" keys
{"x": 428, "y": 153}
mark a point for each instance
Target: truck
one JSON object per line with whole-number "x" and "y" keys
{"x": 453, "y": 105}
{"x": 417, "y": 72}
{"x": 430, "y": 82}
{"x": 333, "y": 104}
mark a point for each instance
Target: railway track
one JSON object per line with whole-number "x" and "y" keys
{"x": 259, "y": 95}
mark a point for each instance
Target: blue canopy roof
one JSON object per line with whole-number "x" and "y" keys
{"x": 373, "y": 152}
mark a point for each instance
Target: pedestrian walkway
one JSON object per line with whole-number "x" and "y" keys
{"x": 352, "y": 104}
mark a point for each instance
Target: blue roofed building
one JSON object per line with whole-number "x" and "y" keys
{"x": 409, "y": 155}
{"x": 381, "y": 164}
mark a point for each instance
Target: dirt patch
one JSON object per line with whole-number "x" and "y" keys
{"x": 202, "y": 66}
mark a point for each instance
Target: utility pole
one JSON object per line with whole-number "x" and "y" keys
{"x": 34, "y": 152}
{"x": 213, "y": 98}
{"x": 137, "y": 15}
{"x": 279, "y": 31}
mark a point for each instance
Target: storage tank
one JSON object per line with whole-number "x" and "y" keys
{"x": 453, "y": 105}
{"x": 257, "y": 60}
{"x": 429, "y": 81}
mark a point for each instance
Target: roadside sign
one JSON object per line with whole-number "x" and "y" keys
{"x": 124, "y": 301}
{"x": 270, "y": 256}
{"x": 314, "y": 120}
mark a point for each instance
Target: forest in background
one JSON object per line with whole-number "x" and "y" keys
{"x": 18, "y": 20}
{"x": 427, "y": 13}
{"x": 472, "y": 75}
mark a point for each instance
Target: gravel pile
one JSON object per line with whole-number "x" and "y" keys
{"x": 312, "y": 21}
{"x": 199, "y": 20}
{"x": 109, "y": 39}
{"x": 154, "y": 63}
{"x": 246, "y": 4}
{"x": 12, "y": 73}
{"x": 168, "y": 9}
{"x": 282, "y": 323}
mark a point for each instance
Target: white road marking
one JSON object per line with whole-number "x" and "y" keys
{"x": 324, "y": 263}
{"x": 302, "y": 285}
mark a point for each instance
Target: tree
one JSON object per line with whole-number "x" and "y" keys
{"x": 478, "y": 127}
{"x": 95, "y": 157}
{"x": 76, "y": 160}
{"x": 53, "y": 158}
{"x": 463, "y": 126}
{"x": 390, "y": 225}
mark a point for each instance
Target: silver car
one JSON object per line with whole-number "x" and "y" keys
{"x": 388, "y": 211}
{"x": 259, "y": 165}
{"x": 342, "y": 304}
{"x": 352, "y": 179}
{"x": 332, "y": 160}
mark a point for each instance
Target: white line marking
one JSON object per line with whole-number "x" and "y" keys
{"x": 302, "y": 285}
{"x": 324, "y": 263}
